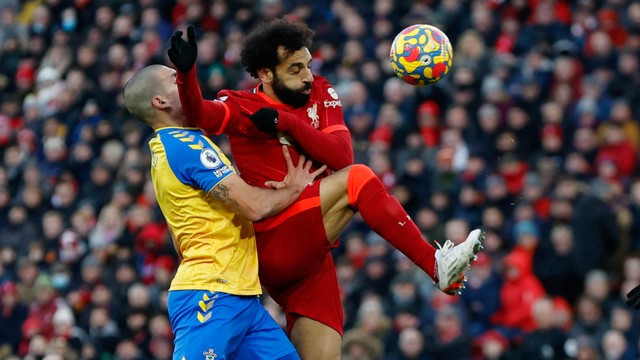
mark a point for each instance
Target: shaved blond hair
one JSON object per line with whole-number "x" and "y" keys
{"x": 139, "y": 91}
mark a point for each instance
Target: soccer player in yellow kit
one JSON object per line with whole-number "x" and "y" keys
{"x": 213, "y": 304}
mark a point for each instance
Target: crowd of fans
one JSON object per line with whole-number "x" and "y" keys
{"x": 533, "y": 136}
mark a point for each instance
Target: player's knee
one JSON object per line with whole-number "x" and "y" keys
{"x": 359, "y": 175}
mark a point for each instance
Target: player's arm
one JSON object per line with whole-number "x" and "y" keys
{"x": 331, "y": 146}
{"x": 256, "y": 203}
{"x": 210, "y": 116}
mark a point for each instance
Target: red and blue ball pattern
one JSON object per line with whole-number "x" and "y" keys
{"x": 421, "y": 54}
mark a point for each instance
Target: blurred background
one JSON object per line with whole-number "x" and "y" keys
{"x": 533, "y": 136}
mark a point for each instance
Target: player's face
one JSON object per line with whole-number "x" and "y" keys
{"x": 292, "y": 78}
{"x": 170, "y": 85}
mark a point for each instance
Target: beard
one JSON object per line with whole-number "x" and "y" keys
{"x": 288, "y": 96}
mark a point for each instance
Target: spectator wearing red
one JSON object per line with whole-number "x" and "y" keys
{"x": 560, "y": 9}
{"x": 617, "y": 149}
{"x": 534, "y": 192}
{"x": 510, "y": 26}
{"x": 40, "y": 319}
{"x": 552, "y": 137}
{"x": 609, "y": 21}
{"x": 513, "y": 170}
{"x": 567, "y": 71}
{"x": 150, "y": 243}
{"x": 521, "y": 288}
{"x": 491, "y": 345}
{"x": 428, "y": 115}
{"x": 527, "y": 238}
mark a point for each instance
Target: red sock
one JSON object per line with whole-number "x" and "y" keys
{"x": 384, "y": 214}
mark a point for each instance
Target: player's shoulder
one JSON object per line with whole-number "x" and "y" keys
{"x": 182, "y": 145}
{"x": 323, "y": 88}
{"x": 234, "y": 95}
{"x": 188, "y": 152}
{"x": 325, "y": 93}
{"x": 226, "y": 93}
{"x": 225, "y": 96}
{"x": 320, "y": 81}
{"x": 178, "y": 136}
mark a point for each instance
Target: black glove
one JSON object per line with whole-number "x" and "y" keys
{"x": 266, "y": 120}
{"x": 633, "y": 297}
{"x": 182, "y": 53}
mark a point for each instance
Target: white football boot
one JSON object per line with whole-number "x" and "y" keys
{"x": 453, "y": 260}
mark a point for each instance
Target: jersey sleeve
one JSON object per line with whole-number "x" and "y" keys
{"x": 213, "y": 116}
{"x": 331, "y": 147}
{"x": 196, "y": 163}
{"x": 332, "y": 144}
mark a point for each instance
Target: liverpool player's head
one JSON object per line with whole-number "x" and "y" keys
{"x": 277, "y": 53}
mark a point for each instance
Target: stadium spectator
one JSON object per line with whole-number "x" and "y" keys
{"x": 447, "y": 339}
{"x": 411, "y": 346}
{"x": 13, "y": 315}
{"x": 481, "y": 298}
{"x": 515, "y": 314}
{"x": 546, "y": 340}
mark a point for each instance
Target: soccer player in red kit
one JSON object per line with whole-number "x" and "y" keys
{"x": 292, "y": 106}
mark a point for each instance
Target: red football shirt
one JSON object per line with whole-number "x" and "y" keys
{"x": 316, "y": 129}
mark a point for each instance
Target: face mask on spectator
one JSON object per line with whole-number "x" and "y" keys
{"x": 69, "y": 24}
{"x": 60, "y": 281}
{"x": 38, "y": 28}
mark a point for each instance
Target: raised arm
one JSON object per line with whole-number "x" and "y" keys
{"x": 256, "y": 203}
{"x": 208, "y": 115}
{"x": 205, "y": 114}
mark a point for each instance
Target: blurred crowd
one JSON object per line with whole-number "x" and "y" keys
{"x": 533, "y": 136}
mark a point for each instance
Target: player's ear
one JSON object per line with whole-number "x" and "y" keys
{"x": 159, "y": 102}
{"x": 265, "y": 75}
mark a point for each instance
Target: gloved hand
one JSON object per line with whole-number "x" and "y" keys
{"x": 633, "y": 297}
{"x": 266, "y": 120}
{"x": 183, "y": 53}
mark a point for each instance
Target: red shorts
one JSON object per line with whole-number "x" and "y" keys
{"x": 296, "y": 266}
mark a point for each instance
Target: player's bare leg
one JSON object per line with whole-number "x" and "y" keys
{"x": 334, "y": 201}
{"x": 315, "y": 341}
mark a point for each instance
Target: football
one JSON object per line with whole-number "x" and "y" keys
{"x": 421, "y": 54}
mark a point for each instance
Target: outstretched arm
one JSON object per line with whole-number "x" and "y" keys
{"x": 256, "y": 203}
{"x": 210, "y": 116}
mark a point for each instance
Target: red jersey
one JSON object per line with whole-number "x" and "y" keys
{"x": 316, "y": 129}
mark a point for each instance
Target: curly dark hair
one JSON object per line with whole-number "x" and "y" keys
{"x": 261, "y": 45}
